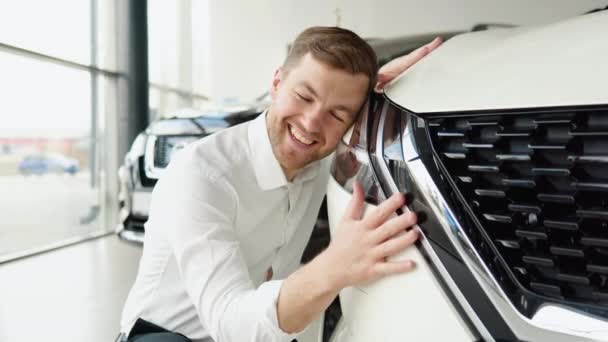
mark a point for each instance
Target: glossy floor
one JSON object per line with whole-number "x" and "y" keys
{"x": 71, "y": 294}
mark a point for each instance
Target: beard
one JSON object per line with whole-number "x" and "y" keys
{"x": 289, "y": 158}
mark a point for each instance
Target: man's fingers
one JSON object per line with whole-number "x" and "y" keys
{"x": 434, "y": 44}
{"x": 354, "y": 210}
{"x": 385, "y": 210}
{"x": 395, "y": 245}
{"x": 394, "y": 226}
{"x": 415, "y": 56}
{"x": 397, "y": 66}
{"x": 394, "y": 267}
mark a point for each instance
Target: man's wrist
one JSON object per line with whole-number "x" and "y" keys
{"x": 334, "y": 279}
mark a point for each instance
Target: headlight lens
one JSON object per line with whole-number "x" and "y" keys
{"x": 166, "y": 146}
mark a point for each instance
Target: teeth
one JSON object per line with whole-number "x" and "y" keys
{"x": 299, "y": 137}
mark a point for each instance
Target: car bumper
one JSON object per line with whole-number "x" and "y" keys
{"x": 411, "y": 305}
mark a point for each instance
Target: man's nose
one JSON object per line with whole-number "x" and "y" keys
{"x": 313, "y": 119}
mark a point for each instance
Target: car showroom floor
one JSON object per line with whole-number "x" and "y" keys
{"x": 71, "y": 294}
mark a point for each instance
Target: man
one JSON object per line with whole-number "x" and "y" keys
{"x": 232, "y": 214}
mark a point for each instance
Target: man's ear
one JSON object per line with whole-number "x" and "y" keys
{"x": 276, "y": 81}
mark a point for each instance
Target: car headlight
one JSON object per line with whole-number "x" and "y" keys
{"x": 161, "y": 148}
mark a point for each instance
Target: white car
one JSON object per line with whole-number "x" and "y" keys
{"x": 500, "y": 138}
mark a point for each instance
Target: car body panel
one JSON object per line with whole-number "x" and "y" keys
{"x": 484, "y": 70}
{"x": 397, "y": 308}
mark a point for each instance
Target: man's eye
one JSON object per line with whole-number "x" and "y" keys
{"x": 335, "y": 115}
{"x": 303, "y": 98}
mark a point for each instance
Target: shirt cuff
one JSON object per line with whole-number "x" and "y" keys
{"x": 270, "y": 291}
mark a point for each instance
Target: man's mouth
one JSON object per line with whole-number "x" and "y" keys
{"x": 299, "y": 136}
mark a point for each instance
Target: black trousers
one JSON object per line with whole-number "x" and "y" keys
{"x": 144, "y": 331}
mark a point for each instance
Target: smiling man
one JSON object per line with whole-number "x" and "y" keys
{"x": 232, "y": 214}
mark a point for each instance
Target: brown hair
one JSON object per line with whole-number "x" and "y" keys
{"x": 337, "y": 47}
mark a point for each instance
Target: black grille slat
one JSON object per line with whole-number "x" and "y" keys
{"x": 520, "y": 183}
{"x": 590, "y": 186}
{"x": 550, "y": 171}
{"x": 547, "y": 146}
{"x": 588, "y": 133}
{"x": 531, "y": 234}
{"x": 455, "y": 155}
{"x": 498, "y": 218}
{"x": 565, "y": 225}
{"x": 593, "y": 214}
{"x": 525, "y": 208}
{"x": 477, "y": 145}
{"x": 573, "y": 278}
{"x": 551, "y": 121}
{"x": 484, "y": 168}
{"x": 566, "y": 251}
{"x": 512, "y": 134}
{"x": 594, "y": 241}
{"x": 536, "y": 185}
{"x": 588, "y": 159}
{"x": 547, "y": 289}
{"x": 482, "y": 122}
{"x": 513, "y": 157}
{"x": 556, "y": 198}
{"x": 597, "y": 268}
{"x": 450, "y": 134}
{"x": 538, "y": 261}
{"x": 490, "y": 193}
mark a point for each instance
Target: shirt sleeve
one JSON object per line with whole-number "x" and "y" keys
{"x": 199, "y": 210}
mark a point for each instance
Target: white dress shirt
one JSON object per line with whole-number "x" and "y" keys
{"x": 221, "y": 215}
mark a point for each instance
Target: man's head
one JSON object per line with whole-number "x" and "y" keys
{"x": 317, "y": 94}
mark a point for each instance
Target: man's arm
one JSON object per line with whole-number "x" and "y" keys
{"x": 356, "y": 255}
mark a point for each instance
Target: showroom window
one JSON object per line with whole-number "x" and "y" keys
{"x": 178, "y": 40}
{"x": 58, "y": 87}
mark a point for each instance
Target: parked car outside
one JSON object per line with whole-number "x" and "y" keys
{"x": 500, "y": 140}
{"x": 40, "y": 164}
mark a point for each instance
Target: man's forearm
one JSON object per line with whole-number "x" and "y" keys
{"x": 306, "y": 293}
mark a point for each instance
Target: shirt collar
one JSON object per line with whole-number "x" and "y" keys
{"x": 268, "y": 171}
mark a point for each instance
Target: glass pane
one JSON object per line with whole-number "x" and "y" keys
{"x": 46, "y": 155}
{"x": 60, "y": 28}
{"x": 163, "y": 49}
{"x": 163, "y": 103}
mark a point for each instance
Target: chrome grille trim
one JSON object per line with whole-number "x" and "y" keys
{"x": 528, "y": 327}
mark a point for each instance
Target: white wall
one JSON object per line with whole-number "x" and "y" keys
{"x": 248, "y": 39}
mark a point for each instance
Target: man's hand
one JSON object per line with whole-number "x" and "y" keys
{"x": 356, "y": 255}
{"x": 359, "y": 249}
{"x": 398, "y": 65}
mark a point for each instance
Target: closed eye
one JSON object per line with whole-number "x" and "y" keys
{"x": 335, "y": 115}
{"x": 303, "y": 98}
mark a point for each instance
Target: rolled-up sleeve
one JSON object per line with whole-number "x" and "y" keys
{"x": 199, "y": 210}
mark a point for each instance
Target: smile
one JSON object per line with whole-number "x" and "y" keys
{"x": 299, "y": 137}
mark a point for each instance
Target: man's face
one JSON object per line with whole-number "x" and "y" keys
{"x": 312, "y": 107}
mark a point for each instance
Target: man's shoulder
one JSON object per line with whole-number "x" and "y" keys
{"x": 218, "y": 154}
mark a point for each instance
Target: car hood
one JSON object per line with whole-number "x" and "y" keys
{"x": 556, "y": 65}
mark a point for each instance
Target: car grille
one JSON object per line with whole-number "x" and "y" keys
{"x": 162, "y": 152}
{"x": 533, "y": 188}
